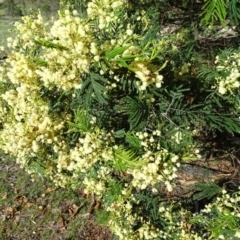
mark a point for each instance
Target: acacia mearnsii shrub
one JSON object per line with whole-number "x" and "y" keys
{"x": 102, "y": 103}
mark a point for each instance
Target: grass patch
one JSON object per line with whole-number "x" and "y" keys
{"x": 32, "y": 208}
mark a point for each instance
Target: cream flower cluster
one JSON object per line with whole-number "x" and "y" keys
{"x": 230, "y": 69}
{"x": 147, "y": 74}
{"x": 76, "y": 51}
{"x": 178, "y": 227}
{"x": 22, "y": 71}
{"x": 105, "y": 11}
{"x": 226, "y": 204}
{"x": 123, "y": 229}
{"x": 122, "y": 209}
{"x": 93, "y": 147}
{"x": 225, "y": 210}
{"x": 177, "y": 137}
{"x": 156, "y": 170}
{"x": 67, "y": 50}
{"x": 160, "y": 165}
{"x": 29, "y": 29}
{"x": 24, "y": 128}
{"x": 93, "y": 186}
{"x": 98, "y": 185}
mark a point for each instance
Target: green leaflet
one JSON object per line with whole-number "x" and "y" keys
{"x": 134, "y": 142}
{"x": 234, "y": 10}
{"x": 110, "y": 54}
{"x": 49, "y": 44}
{"x": 94, "y": 87}
{"x": 40, "y": 62}
{"x": 81, "y": 123}
{"x": 206, "y": 191}
{"x": 126, "y": 159}
{"x": 137, "y": 111}
{"x": 214, "y": 10}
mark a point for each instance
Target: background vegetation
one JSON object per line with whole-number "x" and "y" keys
{"x": 149, "y": 126}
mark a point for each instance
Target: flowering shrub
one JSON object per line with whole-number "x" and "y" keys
{"x": 228, "y": 69}
{"x": 85, "y": 102}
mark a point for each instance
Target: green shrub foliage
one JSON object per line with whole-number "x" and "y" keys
{"x": 113, "y": 104}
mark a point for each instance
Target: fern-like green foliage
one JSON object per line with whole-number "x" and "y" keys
{"x": 149, "y": 205}
{"x": 136, "y": 111}
{"x": 114, "y": 190}
{"x": 134, "y": 142}
{"x": 36, "y": 164}
{"x": 81, "y": 122}
{"x": 214, "y": 10}
{"x": 224, "y": 220}
{"x": 126, "y": 159}
{"x": 93, "y": 89}
{"x": 234, "y": 11}
{"x": 176, "y": 112}
{"x": 206, "y": 190}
